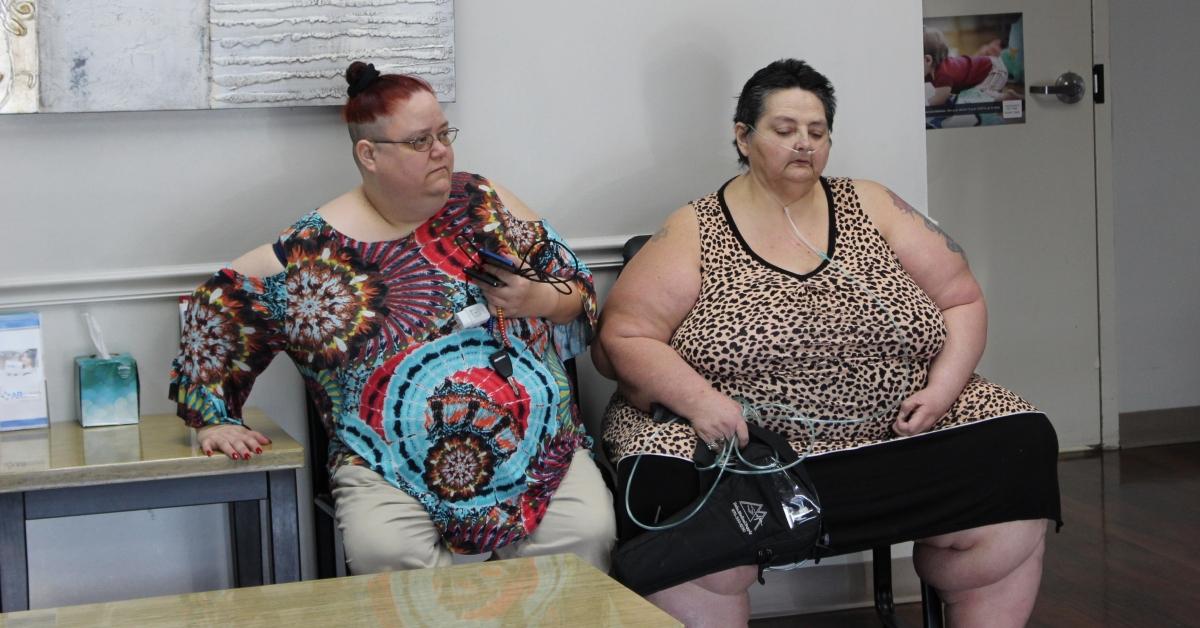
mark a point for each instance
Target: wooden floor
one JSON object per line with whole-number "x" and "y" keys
{"x": 1128, "y": 554}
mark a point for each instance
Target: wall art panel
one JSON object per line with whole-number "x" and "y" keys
{"x": 122, "y": 55}
{"x": 18, "y": 56}
{"x": 293, "y": 52}
{"x": 137, "y": 55}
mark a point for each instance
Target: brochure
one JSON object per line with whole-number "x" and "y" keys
{"x": 22, "y": 378}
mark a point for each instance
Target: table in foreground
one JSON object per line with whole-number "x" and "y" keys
{"x": 67, "y": 470}
{"x": 559, "y": 590}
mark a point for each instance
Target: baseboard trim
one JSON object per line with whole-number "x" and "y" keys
{"x": 156, "y": 282}
{"x": 1167, "y": 426}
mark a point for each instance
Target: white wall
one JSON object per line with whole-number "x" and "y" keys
{"x": 1157, "y": 215}
{"x": 610, "y": 115}
{"x": 605, "y": 116}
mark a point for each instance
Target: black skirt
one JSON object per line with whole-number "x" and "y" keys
{"x": 990, "y": 471}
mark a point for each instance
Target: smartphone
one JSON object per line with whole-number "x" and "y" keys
{"x": 497, "y": 259}
{"x": 483, "y": 276}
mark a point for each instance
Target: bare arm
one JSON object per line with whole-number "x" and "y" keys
{"x": 938, "y": 265}
{"x": 261, "y": 262}
{"x": 520, "y": 297}
{"x": 600, "y": 356}
{"x": 649, "y": 301}
{"x": 940, "y": 96}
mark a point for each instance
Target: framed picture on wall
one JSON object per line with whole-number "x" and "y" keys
{"x": 974, "y": 70}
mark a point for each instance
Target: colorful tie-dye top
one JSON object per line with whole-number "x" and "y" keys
{"x": 400, "y": 387}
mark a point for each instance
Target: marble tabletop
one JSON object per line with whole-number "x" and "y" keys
{"x": 559, "y": 590}
{"x": 158, "y": 447}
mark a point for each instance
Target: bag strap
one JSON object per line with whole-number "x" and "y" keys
{"x": 773, "y": 440}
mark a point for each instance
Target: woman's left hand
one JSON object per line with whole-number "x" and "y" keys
{"x": 518, "y": 296}
{"x": 921, "y": 411}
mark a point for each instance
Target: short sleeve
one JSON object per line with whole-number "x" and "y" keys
{"x": 233, "y": 327}
{"x": 572, "y": 338}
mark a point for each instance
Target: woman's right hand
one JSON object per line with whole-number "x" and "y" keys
{"x": 719, "y": 422}
{"x": 235, "y": 441}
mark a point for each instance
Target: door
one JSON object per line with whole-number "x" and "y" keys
{"x": 1021, "y": 200}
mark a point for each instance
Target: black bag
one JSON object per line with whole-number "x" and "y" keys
{"x": 770, "y": 519}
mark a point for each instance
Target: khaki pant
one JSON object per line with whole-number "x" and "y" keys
{"x": 385, "y": 529}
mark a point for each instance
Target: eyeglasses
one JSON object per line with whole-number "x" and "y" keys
{"x": 425, "y": 142}
{"x": 818, "y": 137}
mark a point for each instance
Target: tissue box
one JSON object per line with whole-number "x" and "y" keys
{"x": 108, "y": 390}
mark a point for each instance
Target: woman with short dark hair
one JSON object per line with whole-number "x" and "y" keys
{"x": 837, "y": 300}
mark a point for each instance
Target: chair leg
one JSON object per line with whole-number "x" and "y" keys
{"x": 340, "y": 553}
{"x": 328, "y": 545}
{"x": 931, "y": 607}
{"x": 881, "y": 566}
{"x": 331, "y": 556}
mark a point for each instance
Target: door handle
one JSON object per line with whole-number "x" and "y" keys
{"x": 1069, "y": 88}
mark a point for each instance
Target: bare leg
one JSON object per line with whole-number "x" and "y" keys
{"x": 987, "y": 576}
{"x": 718, "y": 600}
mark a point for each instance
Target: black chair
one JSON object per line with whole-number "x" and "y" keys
{"x": 881, "y": 556}
{"x": 331, "y": 560}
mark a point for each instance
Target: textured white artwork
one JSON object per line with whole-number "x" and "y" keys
{"x": 18, "y": 56}
{"x": 136, "y": 55}
{"x": 294, "y": 52}
{"x": 123, "y": 55}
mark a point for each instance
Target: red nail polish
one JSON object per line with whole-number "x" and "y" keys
{"x": 208, "y": 453}
{"x": 258, "y": 450}
{"x": 234, "y": 455}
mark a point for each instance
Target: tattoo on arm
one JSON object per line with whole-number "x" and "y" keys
{"x": 901, "y": 204}
{"x": 907, "y": 209}
{"x": 660, "y": 234}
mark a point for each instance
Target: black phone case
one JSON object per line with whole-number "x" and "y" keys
{"x": 484, "y": 276}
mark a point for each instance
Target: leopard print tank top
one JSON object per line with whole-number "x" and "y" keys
{"x": 843, "y": 344}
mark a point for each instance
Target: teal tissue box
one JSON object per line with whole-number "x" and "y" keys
{"x": 108, "y": 390}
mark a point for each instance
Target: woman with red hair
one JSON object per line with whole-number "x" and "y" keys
{"x": 430, "y": 313}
